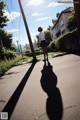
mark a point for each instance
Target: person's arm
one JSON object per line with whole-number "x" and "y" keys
{"x": 39, "y": 39}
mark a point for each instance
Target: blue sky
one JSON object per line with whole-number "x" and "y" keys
{"x": 37, "y": 12}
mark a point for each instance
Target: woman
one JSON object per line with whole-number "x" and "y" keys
{"x": 43, "y": 43}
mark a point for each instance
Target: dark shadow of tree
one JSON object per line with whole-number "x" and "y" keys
{"x": 54, "y": 105}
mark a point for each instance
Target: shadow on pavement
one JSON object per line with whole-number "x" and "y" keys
{"x": 54, "y": 105}
{"x": 14, "y": 98}
{"x": 78, "y": 53}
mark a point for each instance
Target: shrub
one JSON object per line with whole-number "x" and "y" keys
{"x": 5, "y": 65}
{"x": 51, "y": 46}
{"x": 7, "y": 54}
{"x": 28, "y": 53}
{"x": 38, "y": 51}
{"x": 67, "y": 42}
{"x": 10, "y": 54}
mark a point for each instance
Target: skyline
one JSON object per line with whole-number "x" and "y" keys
{"x": 38, "y": 13}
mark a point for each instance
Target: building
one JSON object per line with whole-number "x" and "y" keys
{"x": 60, "y": 25}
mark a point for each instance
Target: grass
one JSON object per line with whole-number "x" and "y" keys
{"x": 19, "y": 60}
{"x": 5, "y": 65}
{"x": 52, "y": 54}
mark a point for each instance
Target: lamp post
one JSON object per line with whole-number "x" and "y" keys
{"x": 28, "y": 33}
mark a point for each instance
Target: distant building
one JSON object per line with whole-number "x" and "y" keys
{"x": 60, "y": 25}
{"x": 27, "y": 47}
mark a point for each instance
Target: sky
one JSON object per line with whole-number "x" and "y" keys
{"x": 38, "y": 13}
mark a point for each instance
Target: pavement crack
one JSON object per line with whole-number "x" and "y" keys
{"x": 2, "y": 101}
{"x": 40, "y": 116}
{"x": 70, "y": 107}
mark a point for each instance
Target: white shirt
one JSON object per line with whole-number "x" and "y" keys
{"x": 41, "y": 36}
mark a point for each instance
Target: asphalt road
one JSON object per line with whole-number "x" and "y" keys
{"x": 43, "y": 91}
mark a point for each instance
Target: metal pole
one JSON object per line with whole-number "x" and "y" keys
{"x": 28, "y": 33}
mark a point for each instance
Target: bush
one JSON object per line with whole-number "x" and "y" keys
{"x": 6, "y": 54}
{"x": 5, "y": 65}
{"x": 67, "y": 42}
{"x": 52, "y": 46}
{"x": 38, "y": 51}
{"x": 28, "y": 53}
{"x": 10, "y": 54}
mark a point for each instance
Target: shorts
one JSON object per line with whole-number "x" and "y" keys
{"x": 43, "y": 43}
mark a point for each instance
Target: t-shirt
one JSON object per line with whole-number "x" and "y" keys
{"x": 41, "y": 36}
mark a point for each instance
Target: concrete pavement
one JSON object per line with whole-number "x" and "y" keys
{"x": 43, "y": 91}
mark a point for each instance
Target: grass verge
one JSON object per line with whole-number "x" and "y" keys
{"x": 19, "y": 60}
{"x": 6, "y": 65}
{"x": 52, "y": 54}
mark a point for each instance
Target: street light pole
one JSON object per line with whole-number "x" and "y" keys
{"x": 28, "y": 33}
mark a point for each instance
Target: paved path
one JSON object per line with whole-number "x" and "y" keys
{"x": 43, "y": 91}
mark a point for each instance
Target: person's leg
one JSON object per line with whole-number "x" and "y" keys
{"x": 44, "y": 52}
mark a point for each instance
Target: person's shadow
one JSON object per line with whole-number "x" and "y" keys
{"x": 54, "y": 105}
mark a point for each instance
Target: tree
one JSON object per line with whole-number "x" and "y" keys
{"x": 3, "y": 18}
{"x": 72, "y": 21}
{"x": 77, "y": 14}
{"x": 13, "y": 46}
{"x": 47, "y": 36}
{"x": 5, "y": 37}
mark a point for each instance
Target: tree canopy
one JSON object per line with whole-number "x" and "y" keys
{"x": 5, "y": 37}
{"x": 3, "y": 17}
{"x": 48, "y": 36}
{"x": 72, "y": 21}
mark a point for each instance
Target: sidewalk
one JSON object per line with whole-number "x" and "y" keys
{"x": 46, "y": 92}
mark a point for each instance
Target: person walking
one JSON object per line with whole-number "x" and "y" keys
{"x": 43, "y": 44}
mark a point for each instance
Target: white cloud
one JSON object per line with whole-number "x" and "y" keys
{"x": 37, "y": 14}
{"x": 13, "y": 30}
{"x": 42, "y": 19}
{"x": 13, "y": 15}
{"x": 54, "y": 4}
{"x": 35, "y": 2}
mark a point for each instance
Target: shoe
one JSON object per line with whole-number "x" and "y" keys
{"x": 44, "y": 60}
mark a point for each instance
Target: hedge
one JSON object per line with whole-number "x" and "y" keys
{"x": 7, "y": 54}
{"x": 67, "y": 42}
{"x": 38, "y": 51}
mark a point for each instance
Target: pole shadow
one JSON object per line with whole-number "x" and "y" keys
{"x": 54, "y": 105}
{"x": 11, "y": 104}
